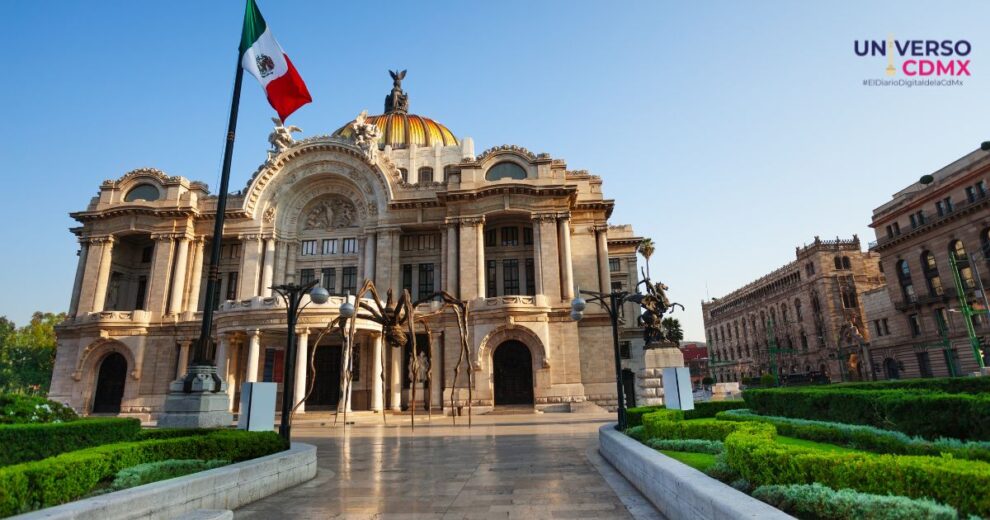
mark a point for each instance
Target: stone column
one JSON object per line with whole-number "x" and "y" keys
{"x": 158, "y": 279}
{"x": 250, "y": 266}
{"x": 472, "y": 259}
{"x": 436, "y": 374}
{"x": 223, "y": 355}
{"x": 451, "y": 261}
{"x": 80, "y": 271}
{"x": 550, "y": 264}
{"x": 254, "y": 352}
{"x": 302, "y": 367}
{"x": 103, "y": 274}
{"x": 268, "y": 271}
{"x": 291, "y": 247}
{"x": 537, "y": 258}
{"x": 183, "y": 358}
{"x": 196, "y": 276}
{"x": 566, "y": 264}
{"x": 481, "y": 258}
{"x": 179, "y": 276}
{"x": 604, "y": 278}
{"x": 283, "y": 253}
{"x": 396, "y": 380}
{"x": 377, "y": 397}
{"x": 369, "y": 257}
{"x": 395, "y": 282}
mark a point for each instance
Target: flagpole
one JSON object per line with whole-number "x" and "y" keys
{"x": 213, "y": 280}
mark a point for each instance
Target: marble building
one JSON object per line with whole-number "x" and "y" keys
{"x": 396, "y": 198}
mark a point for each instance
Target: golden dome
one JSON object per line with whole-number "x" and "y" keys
{"x": 398, "y": 128}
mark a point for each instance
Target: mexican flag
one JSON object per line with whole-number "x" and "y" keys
{"x": 262, "y": 56}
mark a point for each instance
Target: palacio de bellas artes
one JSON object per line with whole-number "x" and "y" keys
{"x": 398, "y": 199}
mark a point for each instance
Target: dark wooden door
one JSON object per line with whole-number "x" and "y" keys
{"x": 629, "y": 387}
{"x": 326, "y": 388}
{"x": 110, "y": 384}
{"x": 512, "y": 374}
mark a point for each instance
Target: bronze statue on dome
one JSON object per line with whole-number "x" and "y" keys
{"x": 397, "y": 101}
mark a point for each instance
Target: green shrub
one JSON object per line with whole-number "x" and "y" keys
{"x": 820, "y": 502}
{"x": 19, "y": 408}
{"x": 949, "y": 385}
{"x": 959, "y": 483}
{"x": 768, "y": 381}
{"x": 689, "y": 445}
{"x": 721, "y": 470}
{"x": 924, "y": 413}
{"x": 669, "y": 424}
{"x": 35, "y": 441}
{"x": 161, "y": 470}
{"x": 637, "y": 432}
{"x": 634, "y": 416}
{"x": 704, "y": 409}
{"x": 171, "y": 433}
{"x": 866, "y": 438}
{"x": 72, "y": 475}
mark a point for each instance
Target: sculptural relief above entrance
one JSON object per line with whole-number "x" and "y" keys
{"x": 331, "y": 213}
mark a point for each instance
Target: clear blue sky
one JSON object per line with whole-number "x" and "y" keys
{"x": 729, "y": 132}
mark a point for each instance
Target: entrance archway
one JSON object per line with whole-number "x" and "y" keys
{"x": 512, "y": 374}
{"x": 326, "y": 386}
{"x": 110, "y": 384}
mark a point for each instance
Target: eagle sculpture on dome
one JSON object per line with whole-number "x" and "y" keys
{"x": 281, "y": 136}
{"x": 397, "y": 100}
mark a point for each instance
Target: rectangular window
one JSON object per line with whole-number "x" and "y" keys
{"x": 350, "y": 246}
{"x": 329, "y": 281}
{"x": 274, "y": 365}
{"x": 142, "y": 290}
{"x": 491, "y": 280}
{"x": 527, "y": 236}
{"x": 981, "y": 189}
{"x": 530, "y": 277}
{"x": 886, "y": 328}
{"x": 146, "y": 254}
{"x": 490, "y": 235}
{"x": 306, "y": 276}
{"x": 510, "y": 236}
{"x": 613, "y": 265}
{"x": 510, "y": 276}
{"x": 924, "y": 364}
{"x": 970, "y": 194}
{"x": 617, "y": 286}
{"x": 890, "y": 232}
{"x": 407, "y": 277}
{"x": 915, "y": 323}
{"x": 349, "y": 280}
{"x": 425, "y": 281}
{"x": 940, "y": 208}
{"x": 330, "y": 246}
{"x": 232, "y": 285}
{"x": 308, "y": 247}
{"x": 897, "y": 229}
{"x": 624, "y": 350}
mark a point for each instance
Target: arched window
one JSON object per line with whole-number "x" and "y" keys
{"x": 838, "y": 262}
{"x": 846, "y": 264}
{"x": 848, "y": 297}
{"x": 965, "y": 271}
{"x": 815, "y": 305}
{"x": 146, "y": 192}
{"x": 930, "y": 268}
{"x": 505, "y": 170}
{"x": 904, "y": 277}
{"x": 425, "y": 175}
{"x": 797, "y": 309}
{"x": 404, "y": 173}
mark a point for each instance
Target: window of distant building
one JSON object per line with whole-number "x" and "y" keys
{"x": 914, "y": 323}
{"x": 613, "y": 265}
{"x": 505, "y": 170}
{"x": 904, "y": 276}
{"x": 145, "y": 192}
{"x": 965, "y": 271}
{"x": 350, "y": 246}
{"x": 308, "y": 247}
{"x": 930, "y": 268}
{"x": 425, "y": 175}
{"x": 404, "y": 173}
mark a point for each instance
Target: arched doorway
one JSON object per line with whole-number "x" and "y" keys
{"x": 512, "y": 373}
{"x": 110, "y": 384}
{"x": 890, "y": 366}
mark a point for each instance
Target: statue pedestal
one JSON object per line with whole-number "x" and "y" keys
{"x": 649, "y": 380}
{"x": 198, "y": 400}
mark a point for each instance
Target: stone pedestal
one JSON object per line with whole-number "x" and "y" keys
{"x": 649, "y": 380}
{"x": 198, "y": 400}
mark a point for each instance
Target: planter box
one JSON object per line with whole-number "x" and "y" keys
{"x": 675, "y": 489}
{"x": 228, "y": 487}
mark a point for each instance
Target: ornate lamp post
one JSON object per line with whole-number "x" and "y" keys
{"x": 610, "y": 302}
{"x": 293, "y": 295}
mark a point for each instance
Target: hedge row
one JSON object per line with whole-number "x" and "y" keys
{"x": 959, "y": 483}
{"x": 823, "y": 503}
{"x": 670, "y": 424}
{"x": 70, "y": 476}
{"x": 702, "y": 409}
{"x": 36, "y": 441}
{"x": 866, "y": 438}
{"x": 928, "y": 414}
{"x": 949, "y": 385}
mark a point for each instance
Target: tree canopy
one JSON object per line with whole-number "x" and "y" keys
{"x": 27, "y": 354}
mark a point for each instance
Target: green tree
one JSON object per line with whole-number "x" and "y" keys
{"x": 672, "y": 329}
{"x": 646, "y": 248}
{"x": 27, "y": 354}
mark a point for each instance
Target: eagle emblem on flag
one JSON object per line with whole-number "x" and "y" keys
{"x": 265, "y": 65}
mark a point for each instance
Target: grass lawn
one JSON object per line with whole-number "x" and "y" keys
{"x": 698, "y": 461}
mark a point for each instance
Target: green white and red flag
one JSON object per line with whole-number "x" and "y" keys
{"x": 263, "y": 57}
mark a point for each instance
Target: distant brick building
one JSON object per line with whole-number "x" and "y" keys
{"x": 810, "y": 309}
{"x": 696, "y": 358}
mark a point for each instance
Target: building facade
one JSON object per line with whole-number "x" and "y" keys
{"x": 933, "y": 241}
{"x": 512, "y": 232}
{"x": 696, "y": 359}
{"x": 804, "y": 319}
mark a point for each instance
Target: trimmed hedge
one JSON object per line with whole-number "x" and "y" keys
{"x": 705, "y": 409}
{"x": 927, "y": 414}
{"x": 949, "y": 385}
{"x": 959, "y": 483}
{"x": 866, "y": 438}
{"x": 670, "y": 424}
{"x": 820, "y": 502}
{"x": 688, "y": 445}
{"x": 634, "y": 416}
{"x": 18, "y": 408}
{"x": 162, "y": 470}
{"x": 35, "y": 441}
{"x": 70, "y": 476}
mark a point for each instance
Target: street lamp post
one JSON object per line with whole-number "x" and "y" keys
{"x": 609, "y": 302}
{"x": 293, "y": 295}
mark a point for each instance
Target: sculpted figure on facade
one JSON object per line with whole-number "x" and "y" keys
{"x": 331, "y": 214}
{"x": 281, "y": 136}
{"x": 366, "y": 135}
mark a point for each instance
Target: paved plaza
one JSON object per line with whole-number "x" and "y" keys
{"x": 504, "y": 466}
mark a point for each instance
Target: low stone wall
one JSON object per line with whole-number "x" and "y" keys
{"x": 677, "y": 490}
{"x": 228, "y": 487}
